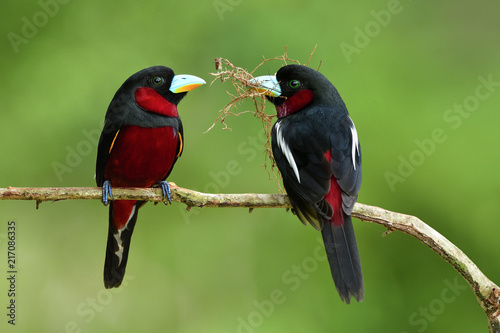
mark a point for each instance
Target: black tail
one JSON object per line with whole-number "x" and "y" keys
{"x": 342, "y": 252}
{"x": 117, "y": 248}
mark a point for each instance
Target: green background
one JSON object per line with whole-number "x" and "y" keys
{"x": 400, "y": 68}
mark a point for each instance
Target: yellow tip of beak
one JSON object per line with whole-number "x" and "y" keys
{"x": 264, "y": 91}
{"x": 188, "y": 87}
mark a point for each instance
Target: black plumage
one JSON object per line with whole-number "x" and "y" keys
{"x": 316, "y": 148}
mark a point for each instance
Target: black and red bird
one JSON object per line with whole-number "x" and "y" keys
{"x": 139, "y": 145}
{"x": 316, "y": 148}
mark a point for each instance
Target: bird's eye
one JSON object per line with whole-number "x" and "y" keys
{"x": 157, "y": 80}
{"x": 294, "y": 84}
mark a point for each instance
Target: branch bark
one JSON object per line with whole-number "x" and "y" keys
{"x": 487, "y": 293}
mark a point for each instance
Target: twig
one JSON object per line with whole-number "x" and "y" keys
{"x": 487, "y": 293}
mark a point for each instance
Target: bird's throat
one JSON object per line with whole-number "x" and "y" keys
{"x": 150, "y": 100}
{"x": 295, "y": 103}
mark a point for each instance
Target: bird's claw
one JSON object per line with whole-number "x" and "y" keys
{"x": 165, "y": 188}
{"x": 106, "y": 192}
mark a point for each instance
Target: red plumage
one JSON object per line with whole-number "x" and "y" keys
{"x": 149, "y": 99}
{"x": 334, "y": 197}
{"x": 139, "y": 145}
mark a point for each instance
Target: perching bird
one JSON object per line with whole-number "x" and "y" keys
{"x": 139, "y": 145}
{"x": 316, "y": 148}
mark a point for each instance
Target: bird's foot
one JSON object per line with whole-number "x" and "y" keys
{"x": 165, "y": 188}
{"x": 106, "y": 192}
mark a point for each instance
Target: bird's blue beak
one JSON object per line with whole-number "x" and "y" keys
{"x": 184, "y": 82}
{"x": 267, "y": 84}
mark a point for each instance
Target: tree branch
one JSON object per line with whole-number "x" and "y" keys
{"x": 189, "y": 197}
{"x": 487, "y": 293}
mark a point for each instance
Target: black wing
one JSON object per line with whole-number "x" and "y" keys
{"x": 306, "y": 172}
{"x": 346, "y": 161}
{"x": 299, "y": 154}
{"x": 108, "y": 136}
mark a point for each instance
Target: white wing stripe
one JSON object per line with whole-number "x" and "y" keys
{"x": 286, "y": 150}
{"x": 355, "y": 144}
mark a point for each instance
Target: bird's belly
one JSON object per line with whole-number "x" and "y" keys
{"x": 141, "y": 157}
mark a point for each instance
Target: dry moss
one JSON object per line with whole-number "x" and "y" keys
{"x": 242, "y": 82}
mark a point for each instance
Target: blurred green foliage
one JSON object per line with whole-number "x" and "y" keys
{"x": 403, "y": 69}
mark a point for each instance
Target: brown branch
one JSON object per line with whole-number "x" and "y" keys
{"x": 189, "y": 197}
{"x": 487, "y": 293}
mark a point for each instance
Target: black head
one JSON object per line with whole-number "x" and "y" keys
{"x": 295, "y": 87}
{"x": 150, "y": 94}
{"x": 158, "y": 78}
{"x": 294, "y": 78}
